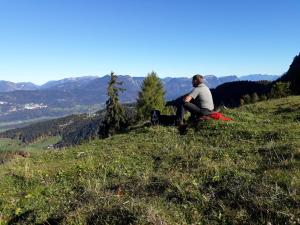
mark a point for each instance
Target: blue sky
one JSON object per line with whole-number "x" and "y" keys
{"x": 53, "y": 39}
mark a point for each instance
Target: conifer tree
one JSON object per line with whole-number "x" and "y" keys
{"x": 254, "y": 97}
{"x": 114, "y": 110}
{"x": 151, "y": 96}
{"x": 247, "y": 99}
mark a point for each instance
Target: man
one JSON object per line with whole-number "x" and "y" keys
{"x": 199, "y": 102}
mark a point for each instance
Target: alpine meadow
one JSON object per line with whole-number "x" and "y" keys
{"x": 131, "y": 112}
{"x": 241, "y": 172}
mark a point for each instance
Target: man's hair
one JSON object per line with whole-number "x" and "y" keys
{"x": 198, "y": 77}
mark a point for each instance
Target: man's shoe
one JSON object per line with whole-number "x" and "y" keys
{"x": 183, "y": 129}
{"x": 179, "y": 123}
{"x": 204, "y": 118}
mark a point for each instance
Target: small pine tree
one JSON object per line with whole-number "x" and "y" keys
{"x": 263, "y": 98}
{"x": 242, "y": 101}
{"x": 247, "y": 99}
{"x": 114, "y": 110}
{"x": 280, "y": 89}
{"x": 254, "y": 97}
{"x": 151, "y": 96}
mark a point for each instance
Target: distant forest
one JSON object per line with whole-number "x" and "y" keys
{"x": 73, "y": 129}
{"x": 229, "y": 94}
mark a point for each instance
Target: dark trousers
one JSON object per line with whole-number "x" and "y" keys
{"x": 189, "y": 106}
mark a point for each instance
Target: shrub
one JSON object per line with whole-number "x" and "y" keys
{"x": 254, "y": 97}
{"x": 247, "y": 99}
{"x": 280, "y": 89}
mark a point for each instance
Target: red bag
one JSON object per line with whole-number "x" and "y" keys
{"x": 219, "y": 116}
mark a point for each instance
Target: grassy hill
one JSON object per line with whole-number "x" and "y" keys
{"x": 242, "y": 172}
{"x": 7, "y": 144}
{"x": 11, "y": 148}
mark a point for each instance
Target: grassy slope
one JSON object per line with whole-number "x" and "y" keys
{"x": 7, "y": 144}
{"x": 10, "y": 147}
{"x": 240, "y": 172}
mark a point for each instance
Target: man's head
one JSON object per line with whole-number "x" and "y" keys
{"x": 197, "y": 79}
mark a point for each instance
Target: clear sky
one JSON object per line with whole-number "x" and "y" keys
{"x": 43, "y": 40}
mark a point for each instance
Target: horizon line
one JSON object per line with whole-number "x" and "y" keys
{"x": 161, "y": 77}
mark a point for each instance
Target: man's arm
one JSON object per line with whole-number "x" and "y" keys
{"x": 191, "y": 95}
{"x": 187, "y": 98}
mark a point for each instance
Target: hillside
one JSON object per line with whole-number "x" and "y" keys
{"x": 293, "y": 75}
{"x": 242, "y": 172}
{"x": 11, "y": 148}
{"x": 73, "y": 129}
{"x": 229, "y": 94}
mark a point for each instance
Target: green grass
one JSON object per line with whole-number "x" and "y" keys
{"x": 41, "y": 144}
{"x": 7, "y": 144}
{"x": 242, "y": 172}
{"x": 9, "y": 148}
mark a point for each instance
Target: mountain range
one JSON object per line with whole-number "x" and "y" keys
{"x": 80, "y": 82}
{"x": 25, "y": 101}
{"x": 7, "y": 86}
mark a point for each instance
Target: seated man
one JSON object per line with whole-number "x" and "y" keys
{"x": 199, "y": 102}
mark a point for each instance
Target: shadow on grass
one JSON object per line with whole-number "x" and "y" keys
{"x": 113, "y": 216}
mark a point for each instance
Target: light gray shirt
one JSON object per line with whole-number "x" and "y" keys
{"x": 202, "y": 97}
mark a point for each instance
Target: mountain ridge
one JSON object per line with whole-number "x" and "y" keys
{"x": 211, "y": 80}
{"x": 8, "y": 86}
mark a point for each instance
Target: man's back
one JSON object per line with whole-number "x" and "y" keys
{"x": 202, "y": 97}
